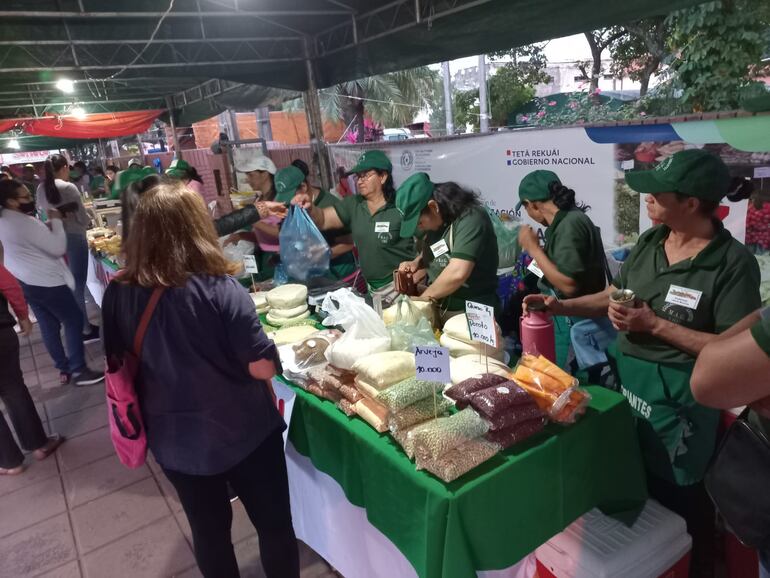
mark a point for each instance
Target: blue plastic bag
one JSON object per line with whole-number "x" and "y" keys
{"x": 305, "y": 253}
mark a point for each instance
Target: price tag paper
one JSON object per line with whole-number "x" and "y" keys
{"x": 432, "y": 363}
{"x": 481, "y": 323}
{"x": 250, "y": 264}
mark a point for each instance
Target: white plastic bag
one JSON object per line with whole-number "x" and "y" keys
{"x": 236, "y": 252}
{"x": 365, "y": 332}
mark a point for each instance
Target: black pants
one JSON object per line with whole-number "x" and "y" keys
{"x": 697, "y": 509}
{"x": 261, "y": 483}
{"x": 18, "y": 404}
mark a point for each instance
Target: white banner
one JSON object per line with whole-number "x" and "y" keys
{"x": 25, "y": 157}
{"x": 494, "y": 165}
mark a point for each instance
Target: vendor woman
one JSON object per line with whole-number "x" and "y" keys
{"x": 692, "y": 280}
{"x": 292, "y": 181}
{"x": 374, "y": 221}
{"x": 572, "y": 261}
{"x": 459, "y": 246}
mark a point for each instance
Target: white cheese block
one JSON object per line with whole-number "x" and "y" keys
{"x": 288, "y": 313}
{"x": 273, "y": 320}
{"x": 459, "y": 348}
{"x": 457, "y": 328}
{"x": 292, "y": 334}
{"x": 287, "y": 296}
{"x": 259, "y": 299}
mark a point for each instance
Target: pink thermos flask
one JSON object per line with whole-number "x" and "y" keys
{"x": 537, "y": 334}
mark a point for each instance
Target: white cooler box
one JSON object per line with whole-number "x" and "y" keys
{"x": 597, "y": 546}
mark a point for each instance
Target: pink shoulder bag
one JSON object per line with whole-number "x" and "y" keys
{"x": 126, "y": 426}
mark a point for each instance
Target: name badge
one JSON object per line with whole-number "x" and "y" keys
{"x": 683, "y": 296}
{"x": 439, "y": 248}
{"x": 535, "y": 269}
{"x": 382, "y": 227}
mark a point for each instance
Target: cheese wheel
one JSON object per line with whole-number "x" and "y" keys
{"x": 278, "y": 321}
{"x": 288, "y": 335}
{"x": 467, "y": 366}
{"x": 459, "y": 348}
{"x": 287, "y": 296}
{"x": 288, "y": 313}
{"x": 457, "y": 328}
{"x": 259, "y": 299}
{"x": 263, "y": 309}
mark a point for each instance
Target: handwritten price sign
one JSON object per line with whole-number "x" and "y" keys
{"x": 432, "y": 363}
{"x": 481, "y": 323}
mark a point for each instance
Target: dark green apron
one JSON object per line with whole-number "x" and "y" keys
{"x": 677, "y": 435}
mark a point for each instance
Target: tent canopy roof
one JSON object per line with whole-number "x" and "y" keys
{"x": 123, "y": 57}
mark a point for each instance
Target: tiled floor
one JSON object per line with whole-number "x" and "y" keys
{"x": 82, "y": 514}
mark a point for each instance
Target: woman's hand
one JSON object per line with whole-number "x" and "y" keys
{"x": 528, "y": 239}
{"x": 552, "y": 304}
{"x": 26, "y": 327}
{"x": 271, "y": 209}
{"x": 635, "y": 320}
{"x": 302, "y": 200}
{"x": 406, "y": 267}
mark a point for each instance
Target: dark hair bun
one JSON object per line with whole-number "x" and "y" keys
{"x": 741, "y": 188}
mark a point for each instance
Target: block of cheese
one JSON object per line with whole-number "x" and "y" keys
{"x": 459, "y": 348}
{"x": 467, "y": 366}
{"x": 287, "y": 296}
{"x": 278, "y": 321}
{"x": 425, "y": 309}
{"x": 259, "y": 299}
{"x": 292, "y": 334}
{"x": 457, "y": 328}
{"x": 288, "y": 313}
{"x": 386, "y": 368}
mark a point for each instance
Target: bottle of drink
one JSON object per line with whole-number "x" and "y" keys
{"x": 537, "y": 333}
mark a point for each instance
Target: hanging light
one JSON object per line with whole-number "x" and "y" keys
{"x": 14, "y": 144}
{"x": 65, "y": 85}
{"x": 78, "y": 112}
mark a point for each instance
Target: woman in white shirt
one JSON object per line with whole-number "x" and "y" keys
{"x": 58, "y": 193}
{"x": 33, "y": 254}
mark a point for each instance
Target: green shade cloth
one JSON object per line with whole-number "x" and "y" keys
{"x": 496, "y": 514}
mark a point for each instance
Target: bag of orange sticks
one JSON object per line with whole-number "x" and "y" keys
{"x": 555, "y": 391}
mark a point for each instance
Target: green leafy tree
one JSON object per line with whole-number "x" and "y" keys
{"x": 598, "y": 41}
{"x": 465, "y": 109}
{"x": 391, "y": 99}
{"x": 718, "y": 49}
{"x": 640, "y": 53}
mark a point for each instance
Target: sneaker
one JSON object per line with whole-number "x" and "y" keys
{"x": 92, "y": 336}
{"x": 88, "y": 377}
{"x": 64, "y": 378}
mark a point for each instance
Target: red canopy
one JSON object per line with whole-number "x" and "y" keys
{"x": 92, "y": 126}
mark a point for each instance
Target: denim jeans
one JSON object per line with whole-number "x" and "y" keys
{"x": 77, "y": 259}
{"x": 18, "y": 404}
{"x": 764, "y": 564}
{"x": 54, "y": 307}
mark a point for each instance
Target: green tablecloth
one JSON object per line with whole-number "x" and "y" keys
{"x": 493, "y": 516}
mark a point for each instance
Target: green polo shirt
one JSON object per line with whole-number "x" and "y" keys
{"x": 723, "y": 283}
{"x": 574, "y": 244}
{"x": 377, "y": 237}
{"x": 345, "y": 264}
{"x": 761, "y": 334}
{"x": 471, "y": 237}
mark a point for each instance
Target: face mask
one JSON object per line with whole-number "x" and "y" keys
{"x": 27, "y": 208}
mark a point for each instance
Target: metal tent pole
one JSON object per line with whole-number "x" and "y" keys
{"x": 141, "y": 148}
{"x": 264, "y": 130}
{"x": 236, "y": 134}
{"x": 447, "y": 77}
{"x": 483, "y": 113}
{"x": 315, "y": 123}
{"x": 172, "y": 122}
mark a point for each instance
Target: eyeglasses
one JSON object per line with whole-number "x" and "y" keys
{"x": 366, "y": 175}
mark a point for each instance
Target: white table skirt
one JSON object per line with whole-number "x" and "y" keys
{"x": 327, "y": 522}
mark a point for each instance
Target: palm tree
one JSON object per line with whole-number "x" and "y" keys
{"x": 391, "y": 99}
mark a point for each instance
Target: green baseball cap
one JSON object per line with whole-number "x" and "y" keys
{"x": 372, "y": 160}
{"x": 178, "y": 168}
{"x": 534, "y": 187}
{"x": 287, "y": 181}
{"x": 411, "y": 198}
{"x": 694, "y": 173}
{"x": 132, "y": 174}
